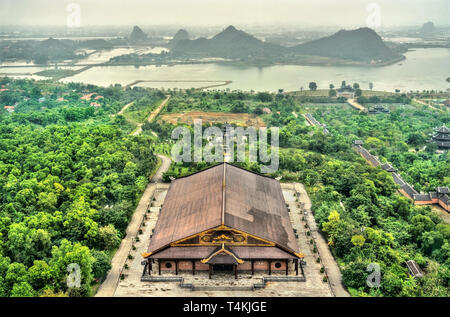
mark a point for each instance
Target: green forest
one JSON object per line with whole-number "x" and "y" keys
{"x": 71, "y": 175}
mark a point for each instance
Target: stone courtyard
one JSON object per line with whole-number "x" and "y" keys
{"x": 224, "y": 283}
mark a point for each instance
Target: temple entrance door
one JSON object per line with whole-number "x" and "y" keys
{"x": 223, "y": 267}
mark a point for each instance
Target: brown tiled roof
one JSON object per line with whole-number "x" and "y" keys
{"x": 409, "y": 190}
{"x": 224, "y": 195}
{"x": 414, "y": 268}
{"x": 443, "y": 190}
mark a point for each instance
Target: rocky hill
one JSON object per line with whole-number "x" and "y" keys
{"x": 137, "y": 35}
{"x": 230, "y": 43}
{"x": 362, "y": 45}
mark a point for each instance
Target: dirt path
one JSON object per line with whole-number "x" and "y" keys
{"x": 152, "y": 116}
{"x": 109, "y": 286}
{"x": 125, "y": 108}
{"x": 355, "y": 105}
{"x": 334, "y": 274}
{"x": 425, "y": 104}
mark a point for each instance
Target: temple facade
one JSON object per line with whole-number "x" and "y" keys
{"x": 224, "y": 219}
{"x": 442, "y": 138}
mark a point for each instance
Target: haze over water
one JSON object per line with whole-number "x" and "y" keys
{"x": 423, "y": 69}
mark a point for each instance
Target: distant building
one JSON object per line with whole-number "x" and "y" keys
{"x": 87, "y": 97}
{"x": 94, "y": 104}
{"x": 442, "y": 138}
{"x": 439, "y": 197}
{"x": 447, "y": 103}
{"x": 266, "y": 110}
{"x": 345, "y": 91}
{"x": 9, "y": 108}
{"x": 358, "y": 142}
{"x": 98, "y": 97}
{"x": 42, "y": 99}
{"x": 378, "y": 109}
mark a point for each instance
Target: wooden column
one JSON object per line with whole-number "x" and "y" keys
{"x": 193, "y": 267}
{"x": 253, "y": 267}
{"x": 270, "y": 267}
{"x": 210, "y": 271}
{"x": 176, "y": 267}
{"x": 301, "y": 268}
{"x": 149, "y": 262}
{"x": 235, "y": 271}
{"x": 287, "y": 267}
{"x": 296, "y": 266}
{"x": 159, "y": 267}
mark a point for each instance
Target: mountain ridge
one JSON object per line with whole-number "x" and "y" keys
{"x": 362, "y": 45}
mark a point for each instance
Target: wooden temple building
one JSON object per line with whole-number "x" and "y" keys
{"x": 224, "y": 218}
{"x": 442, "y": 138}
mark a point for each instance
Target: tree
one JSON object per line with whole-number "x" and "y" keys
{"x": 312, "y": 86}
{"x": 101, "y": 264}
{"x": 22, "y": 289}
{"x": 355, "y": 86}
{"x": 331, "y": 86}
{"x": 40, "y": 274}
{"x": 358, "y": 240}
{"x": 370, "y": 85}
{"x": 108, "y": 237}
{"x": 75, "y": 254}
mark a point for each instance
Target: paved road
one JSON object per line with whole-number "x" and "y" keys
{"x": 109, "y": 286}
{"x": 333, "y": 271}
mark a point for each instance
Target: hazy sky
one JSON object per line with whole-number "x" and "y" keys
{"x": 343, "y": 13}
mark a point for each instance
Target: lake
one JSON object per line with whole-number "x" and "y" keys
{"x": 423, "y": 69}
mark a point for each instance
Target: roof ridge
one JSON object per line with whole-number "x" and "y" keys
{"x": 223, "y": 192}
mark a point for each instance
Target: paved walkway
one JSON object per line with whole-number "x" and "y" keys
{"x": 334, "y": 273}
{"x": 109, "y": 286}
